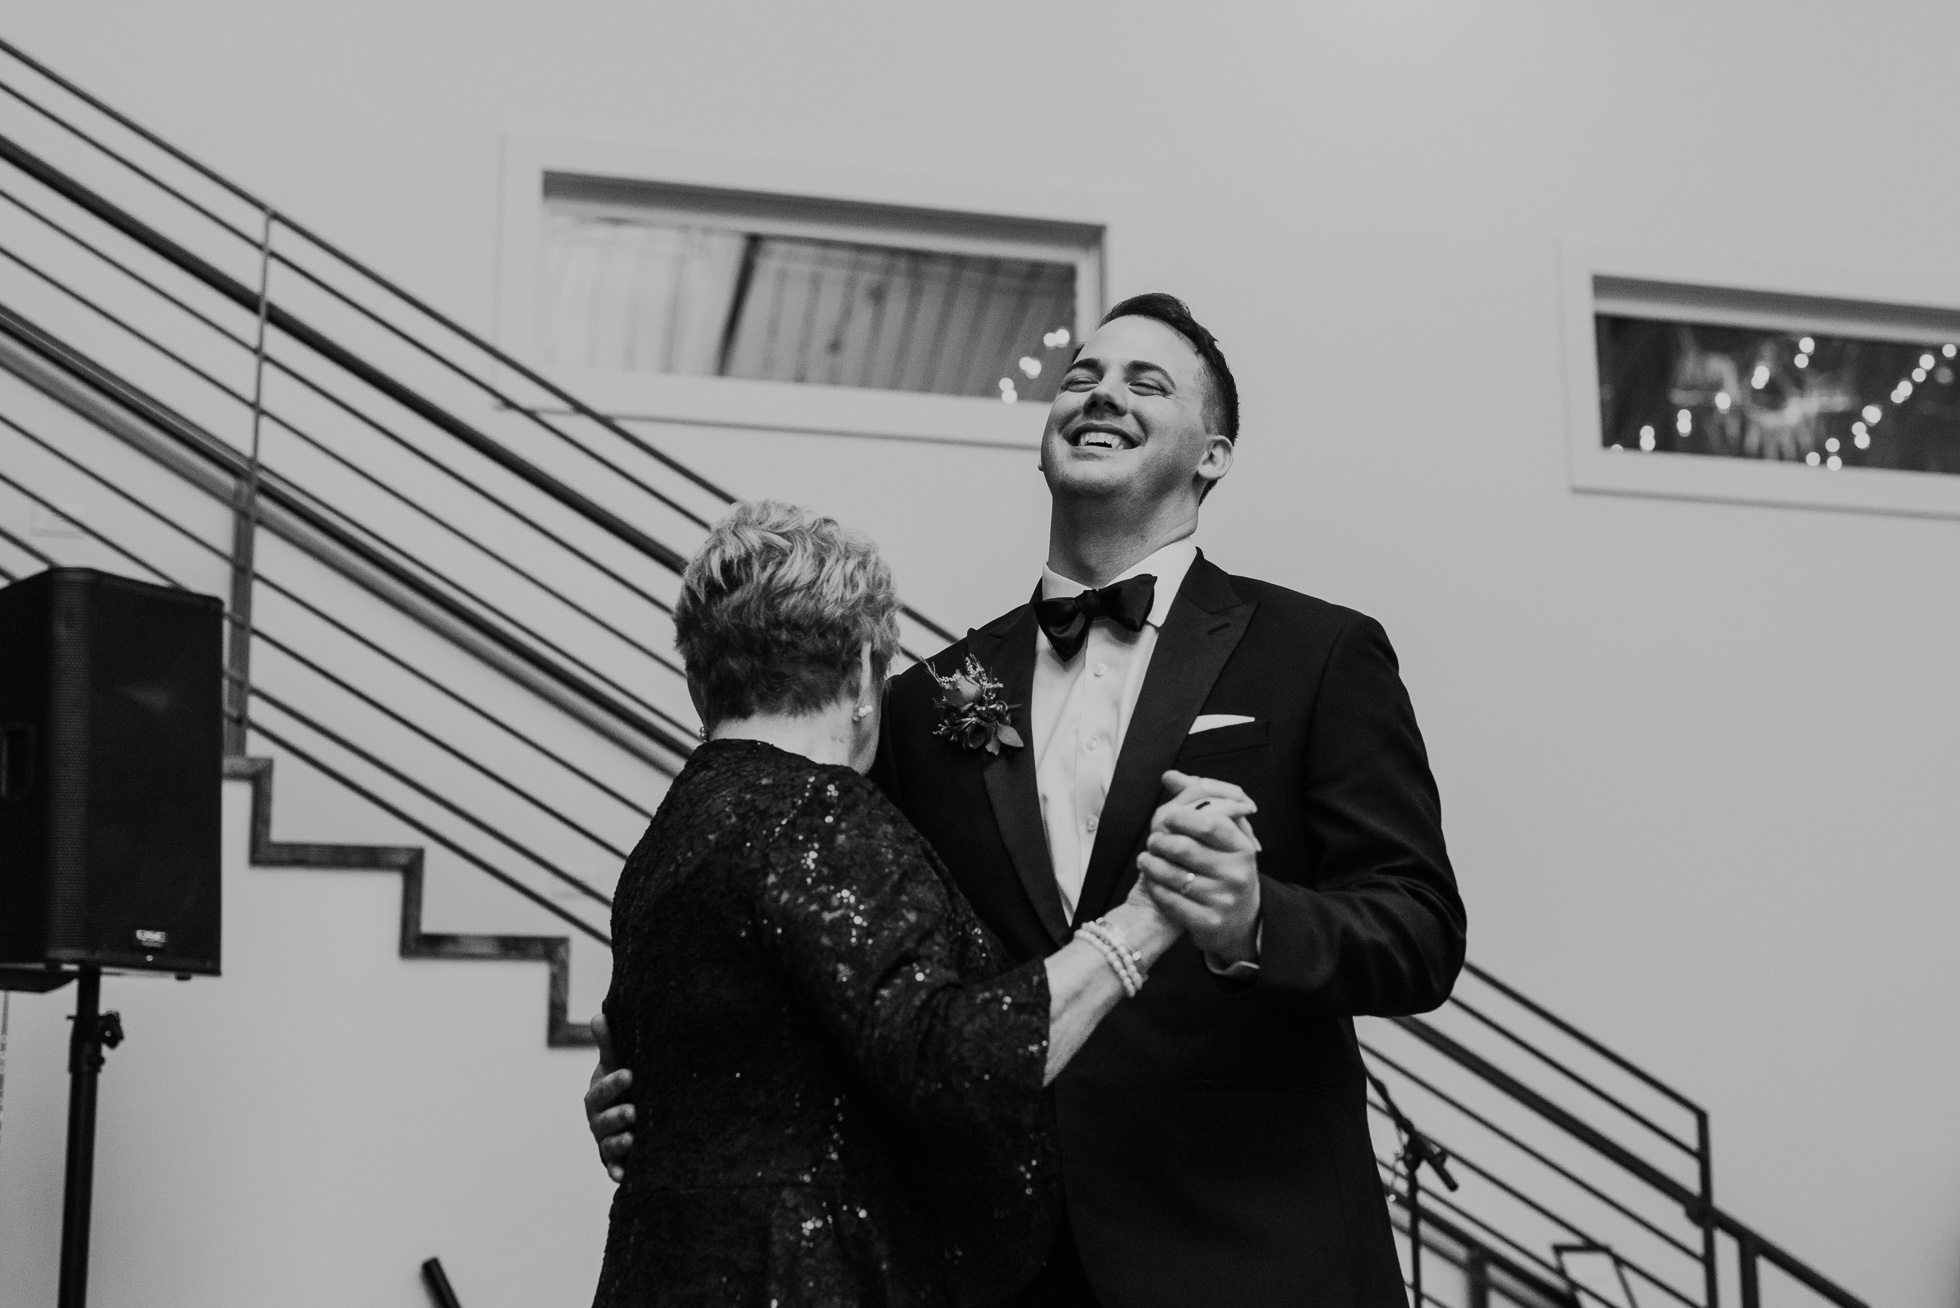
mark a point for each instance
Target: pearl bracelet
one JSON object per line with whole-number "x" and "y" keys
{"x": 1115, "y": 937}
{"x": 1110, "y": 955}
{"x": 1127, "y": 962}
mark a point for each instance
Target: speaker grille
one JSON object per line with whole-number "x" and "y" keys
{"x": 68, "y": 758}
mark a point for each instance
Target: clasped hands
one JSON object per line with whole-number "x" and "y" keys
{"x": 1200, "y": 866}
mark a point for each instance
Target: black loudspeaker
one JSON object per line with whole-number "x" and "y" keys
{"x": 111, "y": 769}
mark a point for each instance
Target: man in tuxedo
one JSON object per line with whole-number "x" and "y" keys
{"x": 1214, "y": 1131}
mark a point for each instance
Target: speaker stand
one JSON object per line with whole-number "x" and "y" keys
{"x": 94, "y": 1032}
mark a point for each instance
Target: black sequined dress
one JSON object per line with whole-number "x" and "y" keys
{"x": 838, "y": 1087}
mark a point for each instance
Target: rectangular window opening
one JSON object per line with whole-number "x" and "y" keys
{"x": 1828, "y": 384}
{"x": 646, "y": 278}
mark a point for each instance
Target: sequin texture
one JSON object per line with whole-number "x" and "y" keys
{"x": 838, "y": 1086}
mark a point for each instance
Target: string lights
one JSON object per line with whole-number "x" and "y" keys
{"x": 1861, "y": 435}
{"x": 1771, "y": 424}
{"x": 1031, "y": 366}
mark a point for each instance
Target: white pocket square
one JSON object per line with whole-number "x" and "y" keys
{"x": 1213, "y": 721}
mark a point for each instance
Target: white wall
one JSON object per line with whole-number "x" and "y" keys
{"x": 1697, "y": 759}
{"x": 306, "y": 1129}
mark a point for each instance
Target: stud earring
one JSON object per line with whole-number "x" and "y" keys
{"x": 860, "y": 713}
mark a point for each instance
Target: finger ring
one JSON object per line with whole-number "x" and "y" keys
{"x": 1184, "y": 888}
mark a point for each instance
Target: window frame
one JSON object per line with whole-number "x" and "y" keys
{"x": 792, "y": 197}
{"x": 1745, "y": 292}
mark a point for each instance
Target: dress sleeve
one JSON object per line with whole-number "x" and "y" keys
{"x": 854, "y": 910}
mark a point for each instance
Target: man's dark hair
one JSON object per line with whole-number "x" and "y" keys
{"x": 1223, "y": 395}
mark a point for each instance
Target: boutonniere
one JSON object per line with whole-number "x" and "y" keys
{"x": 974, "y": 711}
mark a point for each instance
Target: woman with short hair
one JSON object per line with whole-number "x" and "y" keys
{"x": 838, "y": 1087}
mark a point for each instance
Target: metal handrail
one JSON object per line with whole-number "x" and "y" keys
{"x": 1542, "y": 1210}
{"x": 1565, "y": 1028}
{"x": 326, "y": 347}
{"x": 530, "y": 375}
{"x": 225, "y": 462}
{"x": 1472, "y": 1247}
{"x": 313, "y": 386}
{"x": 1751, "y": 1246}
{"x": 1431, "y": 1203}
{"x": 408, "y": 502}
{"x": 335, "y": 679}
{"x": 1633, "y": 1114}
{"x": 178, "y": 433}
{"x": 402, "y": 815}
{"x": 32, "y": 551}
{"x": 1535, "y": 1155}
{"x": 290, "y": 500}
{"x": 321, "y": 729}
{"x": 368, "y": 756}
{"x": 1557, "y": 1114}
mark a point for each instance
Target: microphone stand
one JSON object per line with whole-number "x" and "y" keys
{"x": 1418, "y": 1150}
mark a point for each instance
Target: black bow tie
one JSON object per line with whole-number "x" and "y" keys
{"x": 1067, "y": 619}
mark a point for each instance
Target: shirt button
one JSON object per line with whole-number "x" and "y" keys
{"x": 1101, "y": 668}
{"x": 1091, "y": 746}
{"x": 1093, "y": 820}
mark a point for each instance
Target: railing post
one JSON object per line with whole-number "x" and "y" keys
{"x": 244, "y": 533}
{"x": 1476, "y": 1270}
{"x": 1745, "y": 1253}
{"x": 1706, "y": 1218}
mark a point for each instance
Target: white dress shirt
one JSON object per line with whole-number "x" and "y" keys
{"x": 1080, "y": 710}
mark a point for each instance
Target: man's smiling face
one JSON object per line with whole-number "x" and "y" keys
{"x": 1130, "y": 421}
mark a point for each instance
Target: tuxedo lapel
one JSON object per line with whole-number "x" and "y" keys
{"x": 1198, "y": 636}
{"x": 1007, "y": 649}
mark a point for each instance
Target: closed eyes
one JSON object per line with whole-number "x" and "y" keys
{"x": 1082, "y": 381}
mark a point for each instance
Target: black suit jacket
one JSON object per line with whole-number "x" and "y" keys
{"x": 1215, "y": 1140}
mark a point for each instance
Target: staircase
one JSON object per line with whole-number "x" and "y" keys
{"x": 450, "y": 590}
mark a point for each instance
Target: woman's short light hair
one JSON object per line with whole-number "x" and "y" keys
{"x": 774, "y": 607}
